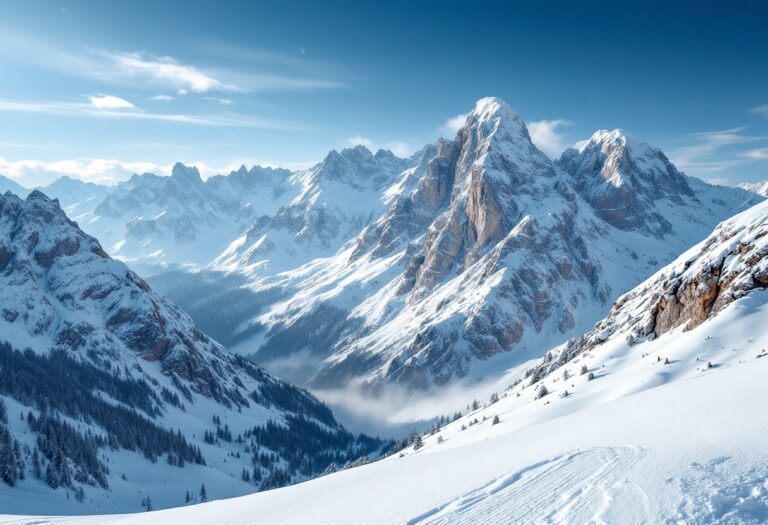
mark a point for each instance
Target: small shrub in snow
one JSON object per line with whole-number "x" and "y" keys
{"x": 496, "y": 420}
{"x": 541, "y": 392}
{"x": 584, "y": 369}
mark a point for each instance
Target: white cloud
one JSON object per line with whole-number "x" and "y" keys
{"x": 453, "y": 124}
{"x": 109, "y": 102}
{"x": 760, "y": 110}
{"x": 165, "y": 71}
{"x": 32, "y": 173}
{"x": 400, "y": 149}
{"x": 545, "y": 135}
{"x": 757, "y": 154}
{"x": 162, "y": 98}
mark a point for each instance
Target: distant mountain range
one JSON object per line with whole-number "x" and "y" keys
{"x": 468, "y": 257}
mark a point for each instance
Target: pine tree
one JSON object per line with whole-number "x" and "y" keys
{"x": 496, "y": 420}
{"x": 584, "y": 369}
{"x": 8, "y": 468}
{"x": 20, "y": 466}
{"x": 203, "y": 493}
{"x": 187, "y": 497}
{"x": 494, "y": 398}
{"x": 417, "y": 442}
{"x": 36, "y": 464}
{"x": 3, "y": 412}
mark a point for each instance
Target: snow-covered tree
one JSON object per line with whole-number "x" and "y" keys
{"x": 541, "y": 392}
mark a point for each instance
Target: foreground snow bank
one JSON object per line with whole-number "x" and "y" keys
{"x": 689, "y": 451}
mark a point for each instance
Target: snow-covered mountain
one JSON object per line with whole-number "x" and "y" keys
{"x": 654, "y": 416}
{"x": 110, "y": 393}
{"x": 761, "y": 188}
{"x": 75, "y": 196}
{"x": 330, "y": 203}
{"x": 260, "y": 220}
{"x": 7, "y": 184}
{"x": 155, "y": 221}
{"x": 487, "y": 253}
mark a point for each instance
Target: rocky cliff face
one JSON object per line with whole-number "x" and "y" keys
{"x": 728, "y": 265}
{"x": 490, "y": 253}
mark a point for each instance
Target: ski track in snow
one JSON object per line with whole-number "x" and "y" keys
{"x": 551, "y": 491}
{"x": 712, "y": 497}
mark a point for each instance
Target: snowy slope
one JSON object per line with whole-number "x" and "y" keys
{"x": 120, "y": 394}
{"x": 488, "y": 254}
{"x": 643, "y": 442}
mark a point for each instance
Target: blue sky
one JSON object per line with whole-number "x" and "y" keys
{"x": 101, "y": 89}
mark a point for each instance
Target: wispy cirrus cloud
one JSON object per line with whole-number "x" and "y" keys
{"x": 546, "y": 135}
{"x": 760, "y": 110}
{"x": 756, "y": 154}
{"x": 162, "y": 70}
{"x": 713, "y": 151}
{"x": 114, "y": 109}
{"x": 253, "y": 70}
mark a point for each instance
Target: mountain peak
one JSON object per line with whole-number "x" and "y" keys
{"x": 493, "y": 120}
{"x": 39, "y": 196}
{"x": 610, "y": 139}
{"x": 189, "y": 173}
{"x": 491, "y": 107}
{"x": 623, "y": 177}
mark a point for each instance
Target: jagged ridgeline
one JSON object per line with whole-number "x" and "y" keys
{"x": 98, "y": 372}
